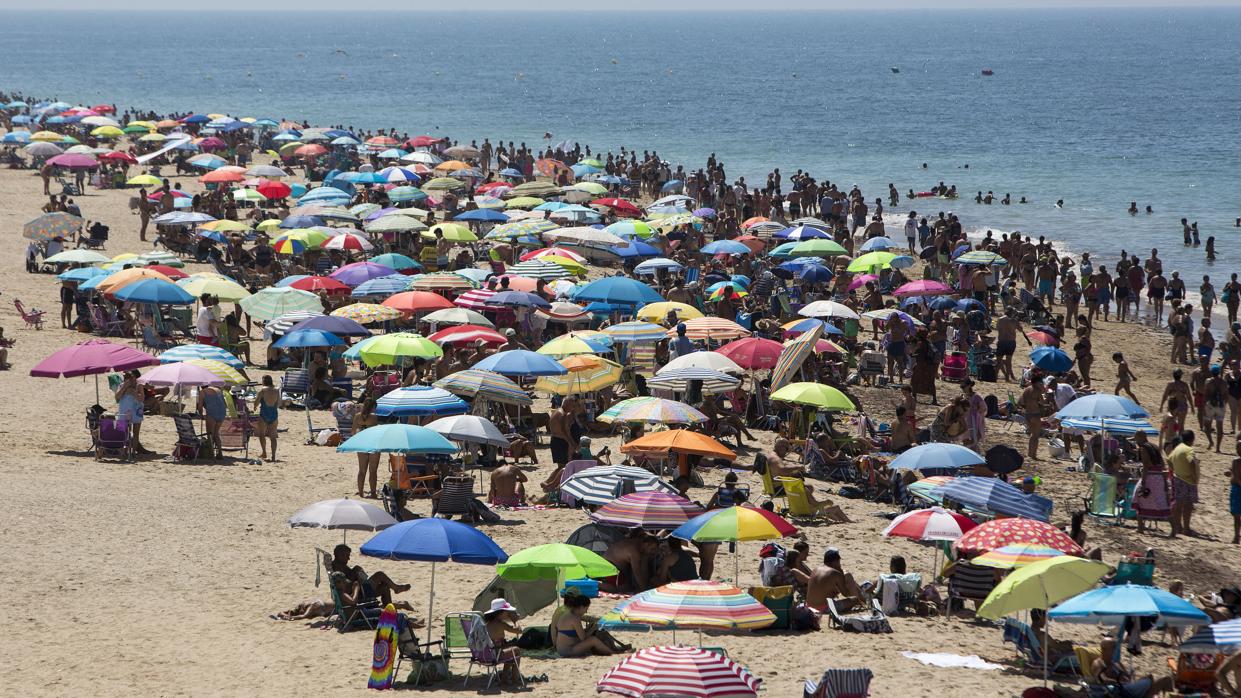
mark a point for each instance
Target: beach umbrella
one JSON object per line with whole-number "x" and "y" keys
{"x": 797, "y": 327}
{"x": 586, "y": 374}
{"x": 457, "y": 316}
{"x": 358, "y": 272}
{"x": 1001, "y": 532}
{"x": 85, "y": 273}
{"x": 636, "y": 331}
{"x": 419, "y": 401}
{"x": 517, "y": 299}
{"x": 711, "y": 328}
{"x": 937, "y": 457}
{"x": 417, "y": 301}
{"x": 521, "y": 362}
{"x": 188, "y": 352}
{"x": 154, "y": 291}
{"x": 391, "y": 349}
{"x": 696, "y": 604}
{"x": 78, "y": 256}
{"x": 819, "y": 309}
{"x": 91, "y": 358}
{"x": 336, "y": 325}
{"x": 348, "y": 241}
{"x": 570, "y": 313}
{"x": 655, "y": 510}
{"x": 817, "y": 248}
{"x": 1102, "y": 406}
{"x": 1117, "y": 427}
{"x": 725, "y": 247}
{"x": 381, "y": 286}
{"x": 1043, "y": 339}
{"x": 651, "y": 266}
{"x": 1051, "y": 359}
{"x": 467, "y": 334}
{"x": 434, "y": 540}
{"x": 308, "y": 338}
{"x": 441, "y": 281}
{"x": 871, "y": 261}
{"x": 800, "y": 232}
{"x": 221, "y": 287}
{"x": 683, "y": 672}
{"x": 180, "y": 374}
{"x": 817, "y": 395}
{"x": 283, "y": 323}
{"x": 657, "y": 312}
{"x": 1217, "y": 638}
{"x": 397, "y": 261}
{"x": 876, "y": 244}
{"x": 52, "y": 225}
{"x": 1113, "y": 605}
{"x": 753, "y": 353}
{"x": 980, "y": 257}
{"x": 930, "y": 524}
{"x": 1011, "y": 557}
{"x": 652, "y": 410}
{"x": 993, "y": 495}
{"x": 708, "y": 360}
{"x": 488, "y": 385}
{"x": 793, "y": 356}
{"x": 572, "y": 343}
{"x": 681, "y": 441}
{"x": 601, "y": 484}
{"x": 342, "y": 514}
{"x": 470, "y": 429}
{"x": 74, "y": 161}
{"x": 618, "y": 290}
{"x": 536, "y": 269}
{"x": 682, "y": 379}
{"x": 557, "y": 561}
{"x": 397, "y": 438}
{"x": 366, "y": 313}
{"x": 42, "y": 148}
{"x": 734, "y": 524}
{"x": 320, "y": 284}
{"x": 270, "y": 303}
{"x": 922, "y": 287}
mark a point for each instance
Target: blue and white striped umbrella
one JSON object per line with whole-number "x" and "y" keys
{"x": 990, "y": 494}
{"x": 187, "y": 352}
{"x": 679, "y": 379}
{"x": 381, "y": 286}
{"x": 1120, "y": 427}
{"x": 420, "y": 401}
{"x": 636, "y": 331}
{"x": 650, "y": 266}
{"x": 1222, "y": 638}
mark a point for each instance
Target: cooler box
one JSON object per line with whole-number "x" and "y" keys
{"x": 587, "y": 587}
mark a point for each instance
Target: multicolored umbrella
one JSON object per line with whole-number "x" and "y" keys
{"x": 930, "y": 524}
{"x": 52, "y": 225}
{"x": 488, "y": 385}
{"x": 636, "y": 331}
{"x": 652, "y": 410}
{"x": 586, "y": 374}
{"x": 367, "y": 313}
{"x": 601, "y": 484}
{"x": 1001, "y": 532}
{"x": 684, "y": 672}
{"x": 650, "y": 510}
{"x": 1017, "y": 555}
{"x": 736, "y": 523}
{"x": 793, "y": 356}
{"x": 682, "y": 379}
{"x": 573, "y": 343}
{"x": 696, "y": 605}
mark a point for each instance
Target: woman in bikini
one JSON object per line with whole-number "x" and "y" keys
{"x": 572, "y": 638}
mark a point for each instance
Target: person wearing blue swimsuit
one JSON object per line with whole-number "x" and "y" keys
{"x": 211, "y": 406}
{"x": 267, "y": 402}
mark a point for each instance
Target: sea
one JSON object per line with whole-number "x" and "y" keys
{"x": 1098, "y": 108}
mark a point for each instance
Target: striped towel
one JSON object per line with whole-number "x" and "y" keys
{"x": 840, "y": 683}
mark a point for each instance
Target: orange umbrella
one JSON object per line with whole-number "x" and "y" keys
{"x": 221, "y": 176}
{"x": 680, "y": 441}
{"x": 168, "y": 123}
{"x": 521, "y": 283}
{"x": 452, "y": 166}
{"x": 756, "y": 245}
{"x": 123, "y": 278}
{"x": 549, "y": 167}
{"x": 417, "y": 301}
{"x": 751, "y": 222}
{"x": 310, "y": 150}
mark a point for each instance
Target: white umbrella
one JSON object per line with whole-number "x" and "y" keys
{"x": 585, "y": 235}
{"x": 469, "y": 429}
{"x": 266, "y": 171}
{"x": 711, "y": 360}
{"x": 457, "y": 316}
{"x": 343, "y": 514}
{"x": 828, "y": 309}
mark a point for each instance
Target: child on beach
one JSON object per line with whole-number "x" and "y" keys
{"x": 1124, "y": 376}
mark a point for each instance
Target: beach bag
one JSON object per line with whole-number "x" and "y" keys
{"x": 1056, "y": 447}
{"x": 327, "y": 437}
{"x": 872, "y": 622}
{"x": 803, "y": 619}
{"x": 534, "y": 639}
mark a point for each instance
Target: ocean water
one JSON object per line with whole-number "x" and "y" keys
{"x": 1097, "y": 107}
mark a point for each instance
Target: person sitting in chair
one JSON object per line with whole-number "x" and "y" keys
{"x": 501, "y": 620}
{"x": 356, "y": 586}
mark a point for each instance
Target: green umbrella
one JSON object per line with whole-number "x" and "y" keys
{"x": 78, "y": 257}
{"x": 817, "y": 248}
{"x": 555, "y": 561}
{"x": 271, "y": 303}
{"x": 871, "y": 261}
{"x": 817, "y": 395}
{"x": 389, "y": 349}
{"x": 443, "y": 184}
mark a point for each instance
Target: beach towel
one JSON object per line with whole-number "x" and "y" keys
{"x": 383, "y": 655}
{"x": 951, "y": 661}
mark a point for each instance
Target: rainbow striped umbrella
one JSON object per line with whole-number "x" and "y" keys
{"x": 221, "y": 370}
{"x": 697, "y": 605}
{"x": 652, "y": 410}
{"x": 792, "y": 357}
{"x": 476, "y": 383}
{"x": 1016, "y": 555}
{"x": 652, "y": 510}
{"x": 735, "y": 523}
{"x": 685, "y": 672}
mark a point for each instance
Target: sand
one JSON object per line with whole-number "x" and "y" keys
{"x": 158, "y": 578}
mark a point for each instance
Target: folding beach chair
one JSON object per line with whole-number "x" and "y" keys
{"x": 1102, "y": 502}
{"x": 840, "y": 683}
{"x": 32, "y": 317}
{"x": 454, "y": 497}
{"x": 1030, "y": 648}
{"x": 235, "y": 433}
{"x": 905, "y": 589}
{"x": 112, "y": 438}
{"x": 456, "y": 643}
{"x": 189, "y": 442}
{"x": 865, "y": 620}
{"x": 778, "y": 600}
{"x": 969, "y": 581}
{"x": 362, "y": 615}
{"x": 798, "y": 503}
{"x": 484, "y": 653}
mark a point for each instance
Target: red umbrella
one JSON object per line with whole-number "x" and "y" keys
{"x": 417, "y": 301}
{"x": 688, "y": 672}
{"x": 1046, "y": 339}
{"x": 320, "y": 284}
{"x": 422, "y": 142}
{"x": 103, "y": 109}
{"x": 384, "y": 141}
{"x": 753, "y": 353}
{"x": 930, "y": 524}
{"x": 521, "y": 283}
{"x": 619, "y": 205}
{"x": 476, "y": 300}
{"x": 492, "y": 185}
{"x": 176, "y": 194}
{"x": 310, "y": 150}
{"x": 1001, "y": 532}
{"x": 119, "y": 156}
{"x": 467, "y": 333}
{"x": 274, "y": 190}
{"x": 168, "y": 271}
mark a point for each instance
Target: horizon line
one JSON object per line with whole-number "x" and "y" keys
{"x": 363, "y": 6}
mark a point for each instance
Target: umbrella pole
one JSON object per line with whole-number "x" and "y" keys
{"x": 96, "y": 388}
{"x": 431, "y": 603}
{"x": 737, "y": 563}
{"x": 1045, "y": 649}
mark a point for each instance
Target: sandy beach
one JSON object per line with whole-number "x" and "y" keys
{"x": 158, "y": 578}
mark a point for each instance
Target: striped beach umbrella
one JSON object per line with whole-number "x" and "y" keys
{"x": 685, "y": 672}
{"x": 221, "y": 370}
{"x": 587, "y": 373}
{"x": 522, "y": 228}
{"x": 270, "y": 303}
{"x": 602, "y": 484}
{"x": 1017, "y": 555}
{"x": 488, "y": 385}
{"x": 476, "y": 300}
{"x": 187, "y": 352}
{"x": 989, "y": 494}
{"x": 927, "y": 489}
{"x": 467, "y": 334}
{"x": 1221, "y": 638}
{"x": 697, "y": 604}
{"x": 535, "y": 269}
{"x": 734, "y": 523}
{"x": 441, "y": 281}
{"x": 711, "y": 328}
{"x": 792, "y": 357}
{"x": 555, "y": 252}
{"x": 381, "y": 286}
{"x": 419, "y": 401}
{"x": 652, "y": 410}
{"x": 680, "y": 379}
{"x": 458, "y": 316}
{"x": 367, "y": 313}
{"x": 930, "y": 524}
{"x": 1001, "y": 532}
{"x": 636, "y": 331}
{"x": 1120, "y": 427}
{"x": 285, "y": 322}
{"x": 650, "y": 510}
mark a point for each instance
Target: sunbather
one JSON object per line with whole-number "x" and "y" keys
{"x": 508, "y": 487}
{"x": 573, "y": 638}
{"x": 359, "y": 587}
{"x": 830, "y": 581}
{"x": 305, "y": 610}
{"x": 501, "y": 621}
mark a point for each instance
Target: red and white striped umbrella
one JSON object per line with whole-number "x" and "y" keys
{"x": 348, "y": 241}
{"x": 476, "y": 299}
{"x": 467, "y": 334}
{"x": 930, "y": 524}
{"x": 676, "y": 672}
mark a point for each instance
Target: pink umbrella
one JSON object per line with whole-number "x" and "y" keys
{"x": 923, "y": 287}
{"x": 91, "y": 358}
{"x": 212, "y": 143}
{"x": 861, "y": 280}
{"x": 753, "y": 353}
{"x": 179, "y": 374}
{"x": 74, "y": 161}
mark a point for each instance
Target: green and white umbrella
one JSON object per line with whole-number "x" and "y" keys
{"x": 271, "y": 303}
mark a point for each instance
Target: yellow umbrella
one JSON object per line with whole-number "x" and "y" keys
{"x": 107, "y": 132}
{"x": 153, "y": 138}
{"x": 523, "y": 202}
{"x": 120, "y": 279}
{"x": 221, "y": 370}
{"x": 226, "y": 226}
{"x": 221, "y": 287}
{"x": 144, "y": 180}
{"x": 587, "y": 373}
{"x": 452, "y": 165}
{"x": 48, "y": 136}
{"x": 144, "y": 124}
{"x": 451, "y": 231}
{"x": 656, "y": 312}
{"x": 367, "y": 313}
{"x": 268, "y": 225}
{"x": 217, "y": 116}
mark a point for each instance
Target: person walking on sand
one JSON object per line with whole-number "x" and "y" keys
{"x": 267, "y": 402}
{"x": 1234, "y": 495}
{"x": 1124, "y": 376}
{"x": 1033, "y": 407}
{"x": 1215, "y": 408}
{"x": 144, "y": 213}
{"x": 1185, "y": 473}
{"x": 1007, "y": 327}
{"x": 1231, "y": 296}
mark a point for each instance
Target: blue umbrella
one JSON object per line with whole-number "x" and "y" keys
{"x": 396, "y": 260}
{"x": 521, "y": 362}
{"x": 476, "y": 275}
{"x": 815, "y": 273}
{"x": 1119, "y": 427}
{"x": 618, "y": 290}
{"x": 783, "y": 250}
{"x": 810, "y": 323}
{"x": 485, "y": 215}
{"x": 1217, "y": 638}
{"x": 290, "y": 280}
{"x": 381, "y": 285}
{"x": 214, "y": 235}
{"x": 434, "y": 540}
{"x": 725, "y": 247}
{"x": 901, "y": 262}
{"x": 964, "y": 305}
{"x": 339, "y": 326}
{"x": 154, "y": 291}
{"x": 672, "y": 185}
{"x": 945, "y": 458}
{"x": 635, "y": 249}
{"x": 81, "y": 274}
{"x": 301, "y": 222}
{"x": 877, "y": 244}
{"x": 1051, "y": 359}
{"x": 92, "y": 282}
{"x": 511, "y": 172}
{"x": 307, "y": 338}
{"x": 990, "y": 494}
{"x": 419, "y": 401}
{"x": 800, "y": 232}
{"x": 650, "y": 266}
{"x": 398, "y": 438}
{"x": 187, "y": 352}
{"x": 1102, "y": 406}
{"x": 1111, "y": 605}
{"x": 518, "y": 298}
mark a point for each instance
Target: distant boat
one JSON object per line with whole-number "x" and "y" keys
{"x": 988, "y": 71}
{"x": 895, "y": 69}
